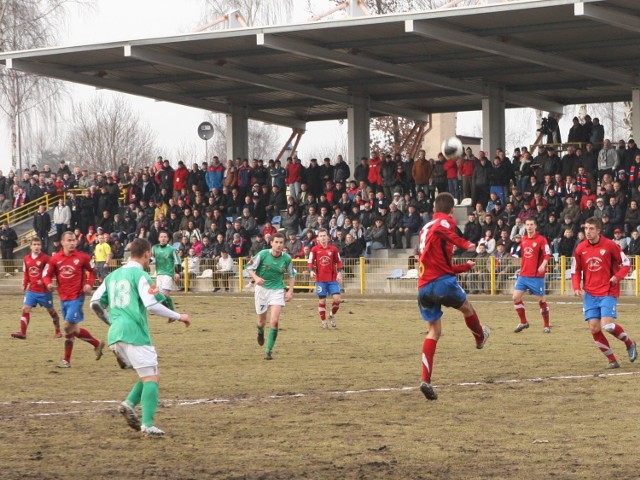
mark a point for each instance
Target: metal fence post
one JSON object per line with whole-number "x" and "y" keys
{"x": 186, "y": 275}
{"x": 240, "y": 273}
{"x": 362, "y": 280}
{"x": 636, "y": 264}
{"x": 492, "y": 275}
{"x": 563, "y": 275}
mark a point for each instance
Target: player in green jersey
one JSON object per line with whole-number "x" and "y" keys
{"x": 168, "y": 266}
{"x": 129, "y": 293}
{"x": 267, "y": 271}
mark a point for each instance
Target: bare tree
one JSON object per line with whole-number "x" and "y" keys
{"x": 103, "y": 132}
{"x": 189, "y": 152}
{"x": 388, "y": 133}
{"x": 254, "y": 12}
{"x": 28, "y": 24}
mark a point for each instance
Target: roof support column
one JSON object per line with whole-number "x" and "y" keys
{"x": 237, "y": 133}
{"x": 635, "y": 113}
{"x": 493, "y": 130}
{"x": 358, "y": 131}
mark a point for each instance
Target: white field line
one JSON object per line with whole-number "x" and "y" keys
{"x": 208, "y": 401}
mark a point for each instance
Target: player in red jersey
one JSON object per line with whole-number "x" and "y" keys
{"x": 36, "y": 292}
{"x": 325, "y": 267}
{"x": 75, "y": 277}
{"x": 599, "y": 264}
{"x": 535, "y": 256}
{"x": 438, "y": 286}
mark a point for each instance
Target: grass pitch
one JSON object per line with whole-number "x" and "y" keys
{"x": 332, "y": 404}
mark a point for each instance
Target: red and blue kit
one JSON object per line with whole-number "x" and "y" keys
{"x": 595, "y": 264}
{"x": 535, "y": 250}
{"x": 437, "y": 240}
{"x": 325, "y": 262}
{"x": 33, "y": 271}
{"x": 72, "y": 272}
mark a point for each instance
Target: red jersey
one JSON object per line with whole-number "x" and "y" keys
{"x": 325, "y": 262}
{"x": 72, "y": 272}
{"x": 534, "y": 250}
{"x": 437, "y": 239}
{"x": 595, "y": 264}
{"x": 33, "y": 268}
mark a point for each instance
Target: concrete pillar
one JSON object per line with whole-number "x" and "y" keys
{"x": 237, "y": 133}
{"x": 635, "y": 113}
{"x": 358, "y": 132}
{"x": 493, "y": 122}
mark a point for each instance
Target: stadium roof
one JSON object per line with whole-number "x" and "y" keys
{"x": 543, "y": 54}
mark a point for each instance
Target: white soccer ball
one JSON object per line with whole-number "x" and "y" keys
{"x": 452, "y": 147}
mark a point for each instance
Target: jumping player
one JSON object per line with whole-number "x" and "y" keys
{"x": 36, "y": 292}
{"x": 129, "y": 293}
{"x": 75, "y": 278}
{"x": 438, "y": 286}
{"x": 535, "y": 256}
{"x": 325, "y": 266}
{"x": 599, "y": 264}
{"x": 168, "y": 266}
{"x": 267, "y": 271}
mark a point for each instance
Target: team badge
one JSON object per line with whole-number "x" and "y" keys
{"x": 535, "y": 244}
{"x": 75, "y": 262}
{"x": 38, "y": 263}
{"x": 602, "y": 252}
{"x": 153, "y": 290}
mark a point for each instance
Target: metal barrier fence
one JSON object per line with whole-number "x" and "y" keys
{"x": 367, "y": 276}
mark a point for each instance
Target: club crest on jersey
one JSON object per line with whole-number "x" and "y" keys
{"x": 535, "y": 244}
{"x": 153, "y": 290}
{"x": 602, "y": 251}
{"x": 38, "y": 263}
{"x": 76, "y": 262}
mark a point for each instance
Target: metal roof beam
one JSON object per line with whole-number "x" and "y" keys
{"x": 607, "y": 15}
{"x": 264, "y": 81}
{"x": 399, "y": 71}
{"x": 124, "y": 87}
{"x": 517, "y": 52}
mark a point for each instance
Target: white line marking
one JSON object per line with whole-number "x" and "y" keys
{"x": 215, "y": 401}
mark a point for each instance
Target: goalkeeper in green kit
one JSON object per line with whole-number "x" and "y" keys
{"x": 168, "y": 266}
{"x": 129, "y": 293}
{"x": 267, "y": 270}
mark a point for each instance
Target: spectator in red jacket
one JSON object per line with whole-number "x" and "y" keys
{"x": 451, "y": 169}
{"x": 374, "y": 177}
{"x": 180, "y": 178}
{"x": 294, "y": 177}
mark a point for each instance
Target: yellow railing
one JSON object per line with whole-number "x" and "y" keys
{"x": 374, "y": 276}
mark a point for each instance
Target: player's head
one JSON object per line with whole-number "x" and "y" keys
{"x": 530, "y": 226}
{"x": 592, "y": 229}
{"x": 323, "y": 237}
{"x": 36, "y": 245}
{"x": 277, "y": 242}
{"x": 444, "y": 203}
{"x": 163, "y": 238}
{"x": 69, "y": 242}
{"x": 140, "y": 250}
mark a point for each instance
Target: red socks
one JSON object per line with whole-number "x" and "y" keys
{"x": 334, "y": 307}
{"x": 24, "y": 322}
{"x": 603, "y": 345}
{"x": 473, "y": 324}
{"x": 428, "y": 351}
{"x": 56, "y": 321}
{"x": 85, "y": 336}
{"x": 519, "y": 306}
{"x": 322, "y": 310}
{"x": 68, "y": 346}
{"x": 544, "y": 311}
{"x": 618, "y": 332}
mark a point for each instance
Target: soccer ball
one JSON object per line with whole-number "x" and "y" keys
{"x": 452, "y": 147}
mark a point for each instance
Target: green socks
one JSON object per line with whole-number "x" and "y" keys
{"x": 273, "y": 334}
{"x": 150, "y": 392}
{"x": 260, "y": 330}
{"x": 168, "y": 302}
{"x": 134, "y": 395}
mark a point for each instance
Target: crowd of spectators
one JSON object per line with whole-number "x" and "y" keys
{"x": 235, "y": 207}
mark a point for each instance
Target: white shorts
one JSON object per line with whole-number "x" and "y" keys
{"x": 164, "y": 282}
{"x": 142, "y": 358}
{"x": 266, "y": 297}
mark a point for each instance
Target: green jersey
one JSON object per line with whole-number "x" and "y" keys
{"x": 272, "y": 269}
{"x": 128, "y": 292}
{"x": 166, "y": 259}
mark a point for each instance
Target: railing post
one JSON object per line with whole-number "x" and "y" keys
{"x": 186, "y": 275}
{"x": 362, "y": 280}
{"x": 636, "y": 263}
{"x": 563, "y": 272}
{"x": 240, "y": 273}
{"x": 492, "y": 275}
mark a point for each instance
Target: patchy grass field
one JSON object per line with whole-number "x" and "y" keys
{"x": 332, "y": 404}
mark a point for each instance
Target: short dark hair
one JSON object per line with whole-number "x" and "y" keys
{"x": 138, "y": 247}
{"x": 278, "y": 235}
{"x": 444, "y": 203}
{"x": 596, "y": 222}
